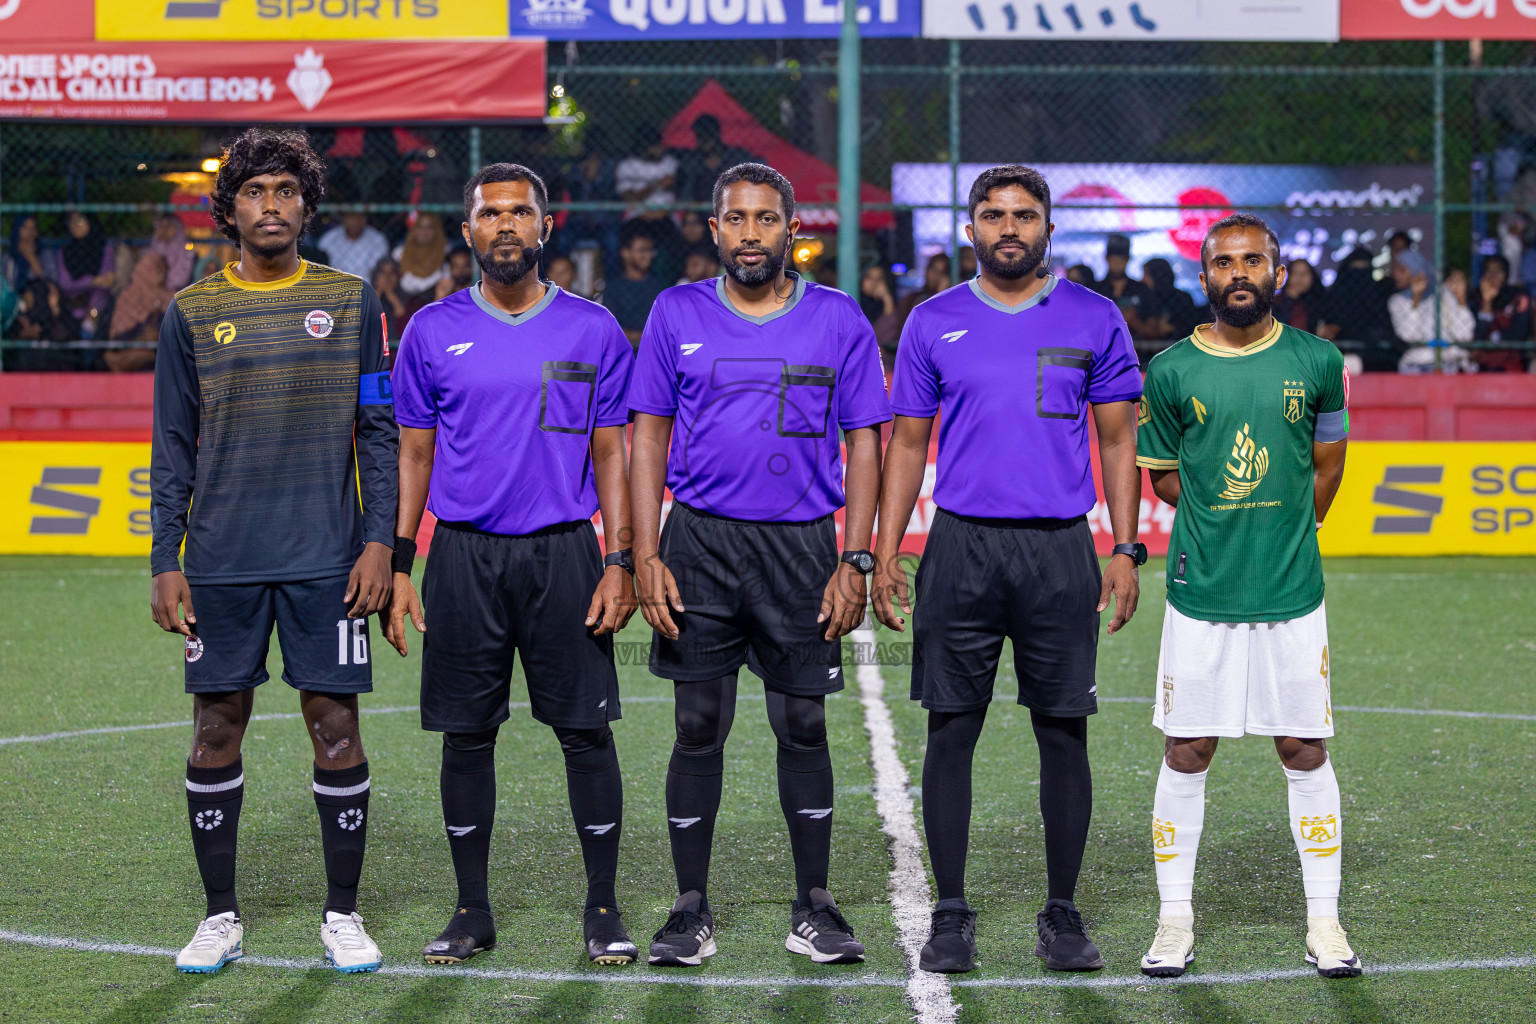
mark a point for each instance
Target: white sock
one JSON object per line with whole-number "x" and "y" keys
{"x": 1178, "y": 816}
{"x": 1317, "y": 827}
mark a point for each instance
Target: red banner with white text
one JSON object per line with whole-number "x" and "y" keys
{"x": 310, "y": 82}
{"x": 1437, "y": 19}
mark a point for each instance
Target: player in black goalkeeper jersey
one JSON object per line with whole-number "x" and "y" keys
{"x": 275, "y": 461}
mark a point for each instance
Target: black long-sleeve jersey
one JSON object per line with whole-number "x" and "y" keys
{"x": 275, "y": 447}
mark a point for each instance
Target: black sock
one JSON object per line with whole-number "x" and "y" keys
{"x": 214, "y": 796}
{"x": 468, "y": 786}
{"x": 805, "y": 785}
{"x": 597, "y": 804}
{"x": 947, "y": 795}
{"x": 341, "y": 797}
{"x": 704, "y": 713}
{"x": 1066, "y": 799}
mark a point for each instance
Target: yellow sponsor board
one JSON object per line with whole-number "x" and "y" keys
{"x": 255, "y": 20}
{"x": 74, "y": 498}
{"x": 1434, "y": 498}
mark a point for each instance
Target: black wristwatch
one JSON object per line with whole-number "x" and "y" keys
{"x": 1137, "y": 551}
{"x": 860, "y": 560}
{"x": 624, "y": 559}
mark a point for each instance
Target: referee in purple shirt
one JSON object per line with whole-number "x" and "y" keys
{"x": 1015, "y": 358}
{"x": 511, "y": 402}
{"x": 749, "y": 378}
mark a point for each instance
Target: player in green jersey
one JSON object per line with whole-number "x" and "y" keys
{"x": 1243, "y": 428}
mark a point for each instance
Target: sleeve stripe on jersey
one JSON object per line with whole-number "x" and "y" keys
{"x": 1331, "y": 426}
{"x": 375, "y": 389}
{"x": 1148, "y": 462}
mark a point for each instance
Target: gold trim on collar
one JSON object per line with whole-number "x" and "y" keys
{"x": 265, "y": 286}
{"x": 1228, "y": 353}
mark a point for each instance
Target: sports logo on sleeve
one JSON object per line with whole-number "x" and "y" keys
{"x": 319, "y": 323}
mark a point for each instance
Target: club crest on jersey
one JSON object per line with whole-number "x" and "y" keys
{"x": 1320, "y": 829}
{"x": 1295, "y": 398}
{"x": 1247, "y": 467}
{"x": 194, "y": 649}
{"x": 319, "y": 323}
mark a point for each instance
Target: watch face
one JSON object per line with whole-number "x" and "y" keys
{"x": 862, "y": 562}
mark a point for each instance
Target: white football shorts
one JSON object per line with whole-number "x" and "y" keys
{"x": 1231, "y": 678}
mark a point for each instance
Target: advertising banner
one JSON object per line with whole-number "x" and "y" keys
{"x": 336, "y": 82}
{"x": 1166, "y": 209}
{"x": 64, "y": 21}
{"x": 1305, "y": 20}
{"x": 1437, "y": 19}
{"x": 246, "y": 20}
{"x": 709, "y": 19}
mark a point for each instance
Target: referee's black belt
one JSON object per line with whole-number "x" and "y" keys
{"x": 1037, "y": 523}
{"x": 546, "y": 531}
{"x": 750, "y": 522}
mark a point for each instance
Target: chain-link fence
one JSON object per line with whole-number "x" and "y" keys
{"x": 1349, "y": 150}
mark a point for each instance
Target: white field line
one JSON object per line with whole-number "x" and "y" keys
{"x": 927, "y": 992}
{"x": 660, "y": 977}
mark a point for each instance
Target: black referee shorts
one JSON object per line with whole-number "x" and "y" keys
{"x": 488, "y": 596}
{"x": 1035, "y": 582}
{"x": 752, "y": 593}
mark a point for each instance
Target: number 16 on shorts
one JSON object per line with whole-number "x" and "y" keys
{"x": 352, "y": 639}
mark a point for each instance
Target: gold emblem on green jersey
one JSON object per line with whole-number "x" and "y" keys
{"x": 1200, "y": 409}
{"x": 1247, "y": 467}
{"x": 1295, "y": 398}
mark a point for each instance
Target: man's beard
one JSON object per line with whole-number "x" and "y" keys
{"x": 1243, "y": 316}
{"x": 1011, "y": 270}
{"x": 752, "y": 277}
{"x": 507, "y": 272}
{"x": 270, "y": 250}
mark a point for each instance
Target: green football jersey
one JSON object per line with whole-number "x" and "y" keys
{"x": 1239, "y": 427}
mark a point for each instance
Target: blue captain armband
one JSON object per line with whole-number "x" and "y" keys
{"x": 1331, "y": 426}
{"x": 374, "y": 389}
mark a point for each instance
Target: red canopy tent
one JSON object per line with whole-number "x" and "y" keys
{"x": 815, "y": 180}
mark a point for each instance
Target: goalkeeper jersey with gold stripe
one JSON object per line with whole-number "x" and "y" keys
{"x": 1239, "y": 427}
{"x": 275, "y": 445}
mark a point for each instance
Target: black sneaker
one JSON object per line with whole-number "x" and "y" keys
{"x": 607, "y": 941}
{"x": 951, "y": 946}
{"x": 688, "y": 936}
{"x": 820, "y": 932}
{"x": 469, "y": 932}
{"x": 1064, "y": 942}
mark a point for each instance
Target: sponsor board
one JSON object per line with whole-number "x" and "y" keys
{"x": 709, "y": 19}
{"x": 1437, "y": 19}
{"x": 74, "y": 498}
{"x": 1315, "y": 20}
{"x": 248, "y": 20}
{"x": 334, "y": 81}
{"x": 25, "y": 21}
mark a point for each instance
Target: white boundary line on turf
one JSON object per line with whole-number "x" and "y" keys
{"x": 928, "y": 993}
{"x": 833, "y": 981}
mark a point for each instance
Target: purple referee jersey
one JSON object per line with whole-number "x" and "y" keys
{"x": 1015, "y": 383}
{"x": 759, "y": 400}
{"x": 515, "y": 400}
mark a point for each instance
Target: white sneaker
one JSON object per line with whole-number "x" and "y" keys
{"x": 216, "y": 943}
{"x": 1328, "y": 948}
{"x": 1173, "y": 948}
{"x": 347, "y": 946}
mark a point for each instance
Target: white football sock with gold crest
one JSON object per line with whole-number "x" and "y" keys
{"x": 1178, "y": 816}
{"x": 1316, "y": 825}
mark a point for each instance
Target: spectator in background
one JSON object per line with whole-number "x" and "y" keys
{"x": 877, "y": 298}
{"x": 1168, "y": 313}
{"x": 695, "y": 230}
{"x": 171, "y": 242}
{"x": 968, "y": 262}
{"x": 562, "y": 273}
{"x": 385, "y": 279}
{"x": 701, "y": 264}
{"x": 137, "y": 313}
{"x": 461, "y": 272}
{"x": 590, "y": 180}
{"x": 87, "y": 271}
{"x": 1356, "y": 312}
{"x": 647, "y": 180}
{"x": 1399, "y": 242}
{"x": 1413, "y": 317}
{"x": 697, "y": 168}
{"x": 25, "y": 260}
{"x": 1301, "y": 303}
{"x": 220, "y": 255}
{"x": 630, "y": 293}
{"x": 42, "y": 316}
{"x": 1503, "y": 312}
{"x": 1129, "y": 295}
{"x": 1082, "y": 273}
{"x": 354, "y": 246}
{"x": 422, "y": 258}
{"x": 935, "y": 280}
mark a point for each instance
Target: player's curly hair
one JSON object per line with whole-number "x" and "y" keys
{"x": 258, "y": 151}
{"x": 754, "y": 174}
{"x": 1003, "y": 175}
